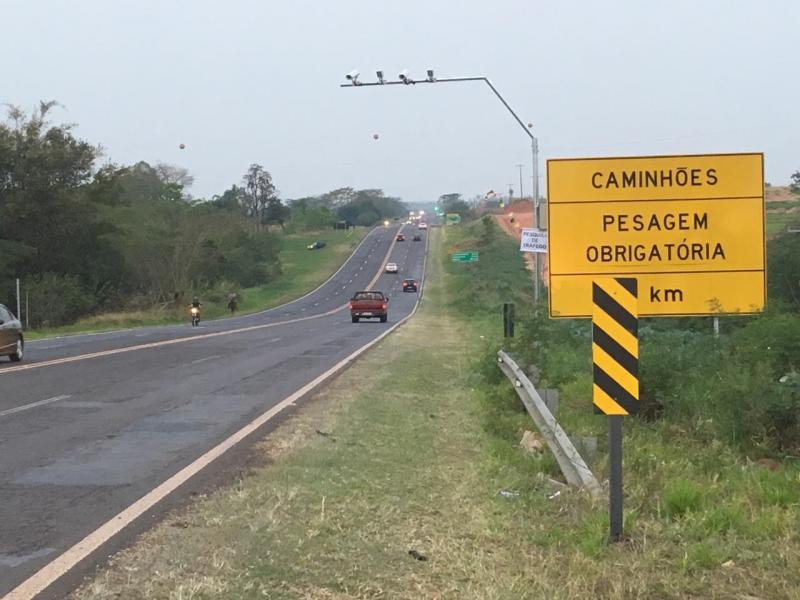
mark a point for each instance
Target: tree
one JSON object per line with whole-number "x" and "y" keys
{"x": 336, "y": 198}
{"x": 259, "y": 189}
{"x": 44, "y": 172}
{"x": 173, "y": 174}
{"x": 275, "y": 212}
{"x": 370, "y": 206}
{"x": 454, "y": 204}
{"x": 232, "y": 200}
{"x": 783, "y": 269}
{"x": 446, "y": 198}
{"x": 795, "y": 182}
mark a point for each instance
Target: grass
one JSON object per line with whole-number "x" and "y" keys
{"x": 419, "y": 466}
{"x": 303, "y": 270}
{"x": 777, "y": 222}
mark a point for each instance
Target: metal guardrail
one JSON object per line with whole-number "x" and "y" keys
{"x": 568, "y": 458}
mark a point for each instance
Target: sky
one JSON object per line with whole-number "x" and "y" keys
{"x": 241, "y": 82}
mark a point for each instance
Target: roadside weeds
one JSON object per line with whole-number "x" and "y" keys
{"x": 407, "y": 451}
{"x": 303, "y": 270}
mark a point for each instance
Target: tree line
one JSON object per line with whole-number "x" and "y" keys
{"x": 86, "y": 237}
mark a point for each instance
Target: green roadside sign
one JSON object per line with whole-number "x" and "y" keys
{"x": 467, "y": 256}
{"x": 453, "y": 218}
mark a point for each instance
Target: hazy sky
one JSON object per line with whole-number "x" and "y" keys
{"x": 241, "y": 82}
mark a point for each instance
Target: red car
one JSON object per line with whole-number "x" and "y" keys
{"x": 400, "y": 237}
{"x": 369, "y": 305}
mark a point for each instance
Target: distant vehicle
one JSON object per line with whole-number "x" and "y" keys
{"x": 410, "y": 285}
{"x": 12, "y": 341}
{"x": 422, "y": 225}
{"x": 417, "y": 238}
{"x": 195, "y": 313}
{"x": 391, "y": 268}
{"x": 369, "y": 305}
{"x": 317, "y": 245}
{"x": 400, "y": 237}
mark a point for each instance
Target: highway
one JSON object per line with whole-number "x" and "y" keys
{"x": 90, "y": 424}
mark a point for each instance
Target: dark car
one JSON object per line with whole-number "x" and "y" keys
{"x": 317, "y": 245}
{"x": 400, "y": 237}
{"x": 409, "y": 285}
{"x": 417, "y": 238}
{"x": 12, "y": 343}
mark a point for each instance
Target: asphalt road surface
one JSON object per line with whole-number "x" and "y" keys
{"x": 91, "y": 423}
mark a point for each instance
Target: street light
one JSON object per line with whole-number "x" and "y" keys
{"x": 405, "y": 79}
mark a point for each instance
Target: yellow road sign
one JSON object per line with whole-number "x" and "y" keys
{"x": 615, "y": 345}
{"x": 690, "y": 228}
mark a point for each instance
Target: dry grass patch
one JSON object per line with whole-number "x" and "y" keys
{"x": 411, "y": 457}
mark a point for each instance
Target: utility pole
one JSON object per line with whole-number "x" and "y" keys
{"x": 405, "y": 78}
{"x": 19, "y": 303}
{"x": 521, "y": 195}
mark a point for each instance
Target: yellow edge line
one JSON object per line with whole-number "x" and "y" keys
{"x": 51, "y": 572}
{"x": 80, "y": 357}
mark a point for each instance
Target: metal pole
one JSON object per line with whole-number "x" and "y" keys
{"x": 537, "y": 259}
{"x": 27, "y": 325}
{"x": 716, "y": 327}
{"x": 521, "y": 195}
{"x": 19, "y": 314}
{"x": 615, "y": 477}
{"x": 534, "y": 141}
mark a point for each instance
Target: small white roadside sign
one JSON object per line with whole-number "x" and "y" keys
{"x": 533, "y": 240}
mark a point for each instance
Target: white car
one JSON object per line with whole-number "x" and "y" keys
{"x": 422, "y": 225}
{"x": 391, "y": 267}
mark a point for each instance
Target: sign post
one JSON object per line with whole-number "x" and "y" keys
{"x": 508, "y": 319}
{"x": 615, "y": 366}
{"x": 650, "y": 236}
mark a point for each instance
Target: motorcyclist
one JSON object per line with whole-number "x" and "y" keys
{"x": 196, "y": 302}
{"x": 233, "y": 302}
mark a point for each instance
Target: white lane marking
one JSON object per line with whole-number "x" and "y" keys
{"x": 69, "y": 359}
{"x": 273, "y": 340}
{"x": 50, "y": 347}
{"x": 51, "y": 572}
{"x": 261, "y": 312}
{"x": 199, "y": 360}
{"x": 19, "y": 409}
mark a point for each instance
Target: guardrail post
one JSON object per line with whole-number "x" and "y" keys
{"x": 508, "y": 319}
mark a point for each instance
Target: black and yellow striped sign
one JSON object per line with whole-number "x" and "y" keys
{"x": 615, "y": 345}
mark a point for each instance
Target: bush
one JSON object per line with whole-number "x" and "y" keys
{"x": 681, "y": 497}
{"x": 783, "y": 270}
{"x": 56, "y": 299}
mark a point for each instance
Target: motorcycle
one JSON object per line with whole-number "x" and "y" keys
{"x": 195, "y": 316}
